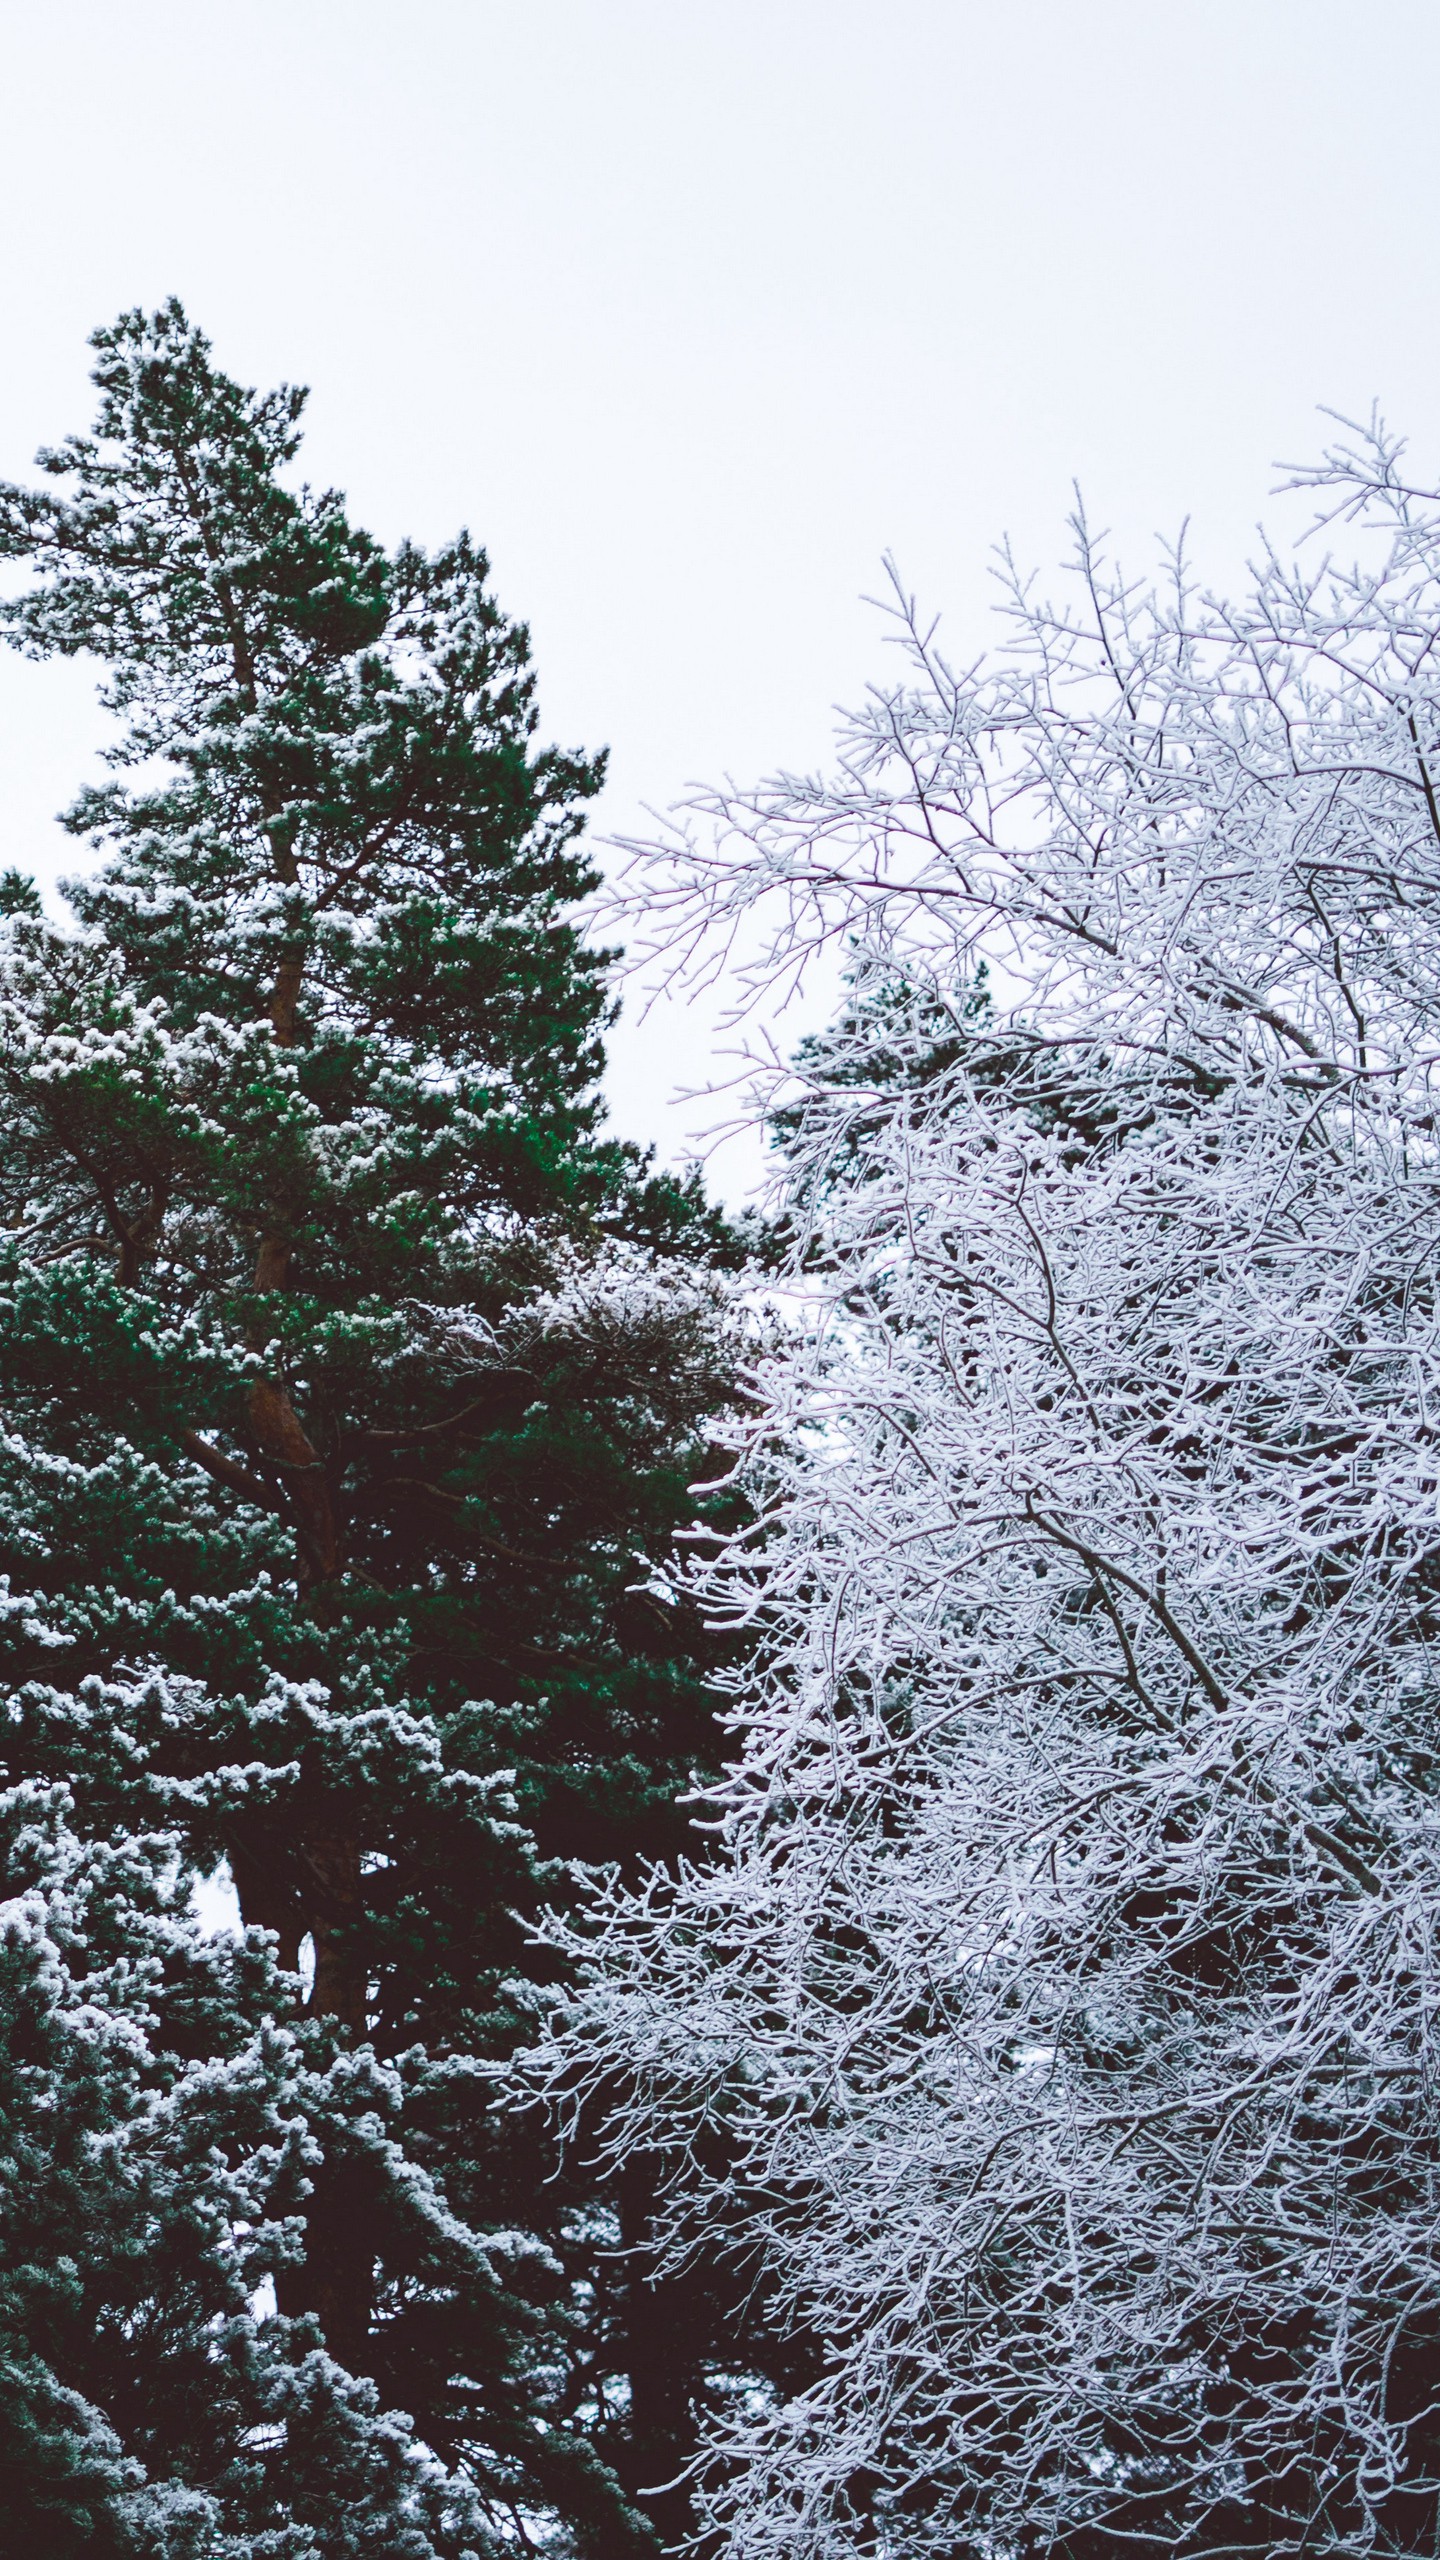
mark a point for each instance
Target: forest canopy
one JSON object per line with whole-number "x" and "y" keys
{"x": 834, "y": 1819}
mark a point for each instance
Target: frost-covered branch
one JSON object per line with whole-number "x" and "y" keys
{"x": 1057, "y": 2022}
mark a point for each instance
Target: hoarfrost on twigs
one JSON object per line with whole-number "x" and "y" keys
{"x": 1056, "y": 2028}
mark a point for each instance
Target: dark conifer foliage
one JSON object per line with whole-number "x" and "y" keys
{"x": 352, "y": 1384}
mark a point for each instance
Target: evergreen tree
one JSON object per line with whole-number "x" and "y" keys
{"x": 353, "y": 1380}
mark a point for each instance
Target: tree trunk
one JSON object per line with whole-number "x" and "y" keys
{"x": 267, "y": 1896}
{"x": 659, "y": 2367}
{"x": 339, "y": 2270}
{"x": 284, "y": 1441}
{"x": 321, "y": 1895}
{"x": 335, "y": 2280}
{"x": 331, "y": 1856}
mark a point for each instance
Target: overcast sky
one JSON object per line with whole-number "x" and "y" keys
{"x": 691, "y": 309}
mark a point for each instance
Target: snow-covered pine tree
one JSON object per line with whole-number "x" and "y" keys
{"x": 350, "y": 1378}
{"x": 1059, "y": 2028}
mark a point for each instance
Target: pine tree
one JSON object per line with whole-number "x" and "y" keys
{"x": 352, "y": 1380}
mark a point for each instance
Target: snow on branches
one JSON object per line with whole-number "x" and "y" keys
{"x": 1055, "y": 2022}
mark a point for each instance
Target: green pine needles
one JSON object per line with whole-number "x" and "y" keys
{"x": 352, "y": 1384}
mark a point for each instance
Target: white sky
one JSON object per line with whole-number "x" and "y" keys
{"x": 692, "y": 308}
